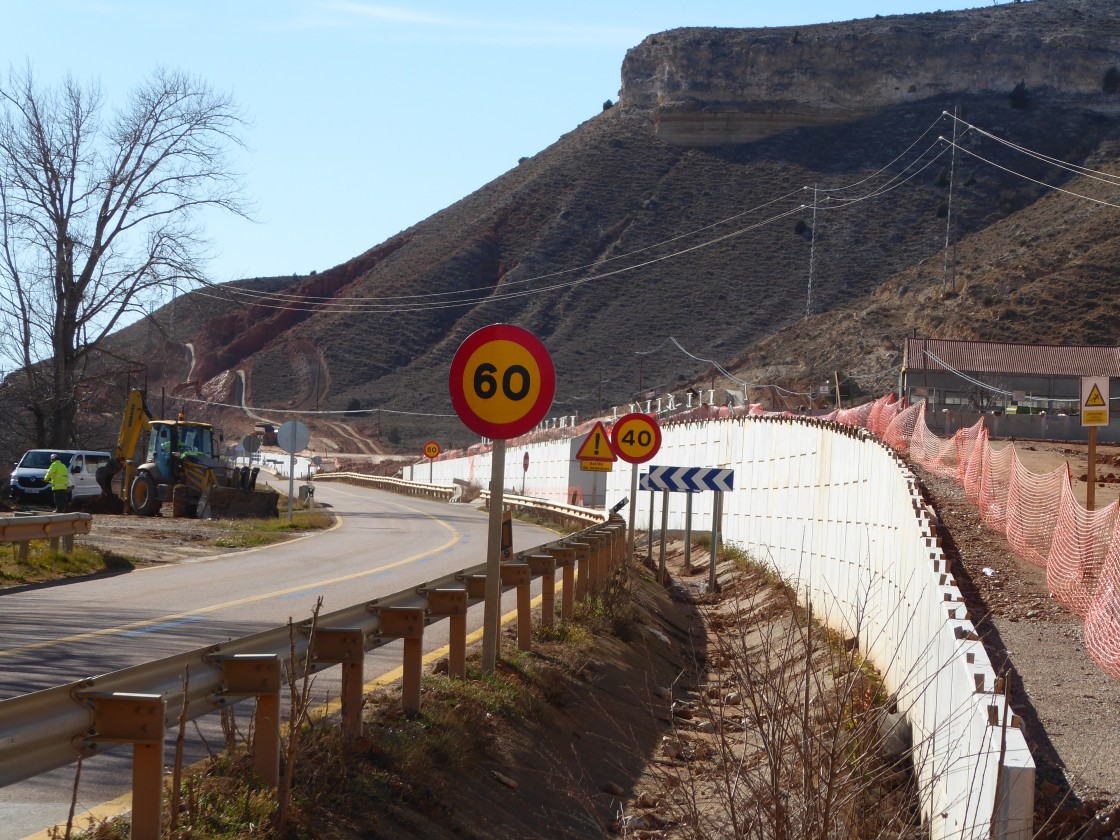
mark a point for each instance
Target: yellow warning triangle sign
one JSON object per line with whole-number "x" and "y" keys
{"x": 597, "y": 447}
{"x": 1095, "y": 400}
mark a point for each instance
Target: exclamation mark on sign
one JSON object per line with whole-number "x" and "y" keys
{"x": 597, "y": 437}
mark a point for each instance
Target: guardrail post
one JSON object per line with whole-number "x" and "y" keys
{"x": 52, "y": 542}
{"x": 518, "y": 574}
{"x": 24, "y": 550}
{"x": 566, "y": 559}
{"x": 583, "y": 557}
{"x": 602, "y": 559}
{"x": 257, "y": 675}
{"x": 617, "y": 529}
{"x": 123, "y": 718}
{"x": 68, "y": 544}
{"x": 544, "y": 565}
{"x": 347, "y": 647}
{"x": 453, "y": 604}
{"x": 593, "y": 547}
{"x": 407, "y": 623}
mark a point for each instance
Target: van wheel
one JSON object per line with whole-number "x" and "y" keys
{"x": 143, "y": 495}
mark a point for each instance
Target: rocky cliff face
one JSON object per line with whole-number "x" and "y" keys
{"x": 717, "y": 86}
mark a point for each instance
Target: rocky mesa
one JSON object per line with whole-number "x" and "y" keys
{"x": 710, "y": 86}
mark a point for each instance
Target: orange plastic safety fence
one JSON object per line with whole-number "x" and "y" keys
{"x": 1038, "y": 513}
{"x": 877, "y": 408}
{"x": 995, "y": 484}
{"x": 936, "y": 455}
{"x": 1077, "y": 552}
{"x": 1102, "y": 623}
{"x": 966, "y": 445}
{"x": 973, "y": 477}
{"x": 858, "y": 416}
{"x": 1033, "y": 502}
{"x": 900, "y": 431}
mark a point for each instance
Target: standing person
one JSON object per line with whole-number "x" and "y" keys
{"x": 59, "y": 478}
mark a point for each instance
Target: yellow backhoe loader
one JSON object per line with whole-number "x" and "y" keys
{"x": 182, "y": 465}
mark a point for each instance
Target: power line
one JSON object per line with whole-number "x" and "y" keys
{"x": 326, "y": 306}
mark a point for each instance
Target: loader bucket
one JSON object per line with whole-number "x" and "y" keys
{"x": 235, "y": 503}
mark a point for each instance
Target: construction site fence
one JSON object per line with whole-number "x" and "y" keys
{"x": 1038, "y": 513}
{"x": 841, "y": 517}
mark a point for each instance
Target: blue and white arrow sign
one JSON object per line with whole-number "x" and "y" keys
{"x": 689, "y": 479}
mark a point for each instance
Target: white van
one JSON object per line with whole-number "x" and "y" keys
{"x": 28, "y": 482}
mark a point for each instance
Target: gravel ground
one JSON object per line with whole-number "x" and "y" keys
{"x": 158, "y": 539}
{"x": 1070, "y": 708}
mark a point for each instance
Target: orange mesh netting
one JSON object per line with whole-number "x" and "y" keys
{"x": 1032, "y": 511}
{"x": 1102, "y": 622}
{"x": 966, "y": 442}
{"x": 936, "y": 455}
{"x": 995, "y": 484}
{"x": 876, "y": 424}
{"x": 900, "y": 430}
{"x": 972, "y": 464}
{"x": 1039, "y": 514}
{"x": 1077, "y": 552}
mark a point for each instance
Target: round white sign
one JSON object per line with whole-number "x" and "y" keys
{"x": 293, "y": 437}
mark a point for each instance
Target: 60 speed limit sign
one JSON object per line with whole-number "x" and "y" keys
{"x": 502, "y": 381}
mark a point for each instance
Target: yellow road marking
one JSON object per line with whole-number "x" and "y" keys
{"x": 123, "y": 803}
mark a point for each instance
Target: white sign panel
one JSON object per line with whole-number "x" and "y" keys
{"x": 1094, "y": 401}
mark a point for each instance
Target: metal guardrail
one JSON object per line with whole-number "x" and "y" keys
{"x": 49, "y": 729}
{"x": 51, "y": 526}
{"x": 446, "y": 492}
{"x": 558, "y": 511}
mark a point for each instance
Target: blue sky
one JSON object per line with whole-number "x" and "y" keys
{"x": 366, "y": 118}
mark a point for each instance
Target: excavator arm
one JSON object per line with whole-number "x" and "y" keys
{"x": 133, "y": 422}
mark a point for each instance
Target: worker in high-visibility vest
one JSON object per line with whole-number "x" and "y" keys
{"x": 59, "y": 478}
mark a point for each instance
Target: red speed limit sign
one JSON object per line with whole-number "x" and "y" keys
{"x": 502, "y": 381}
{"x": 431, "y": 449}
{"x": 636, "y": 438}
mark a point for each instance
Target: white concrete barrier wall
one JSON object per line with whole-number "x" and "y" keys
{"x": 553, "y": 472}
{"x": 838, "y": 515}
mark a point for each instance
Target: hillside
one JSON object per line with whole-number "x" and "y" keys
{"x": 686, "y": 211}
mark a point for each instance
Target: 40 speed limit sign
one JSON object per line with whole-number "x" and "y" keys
{"x": 636, "y": 438}
{"x": 502, "y": 381}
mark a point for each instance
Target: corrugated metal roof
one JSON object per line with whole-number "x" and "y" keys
{"x": 934, "y": 354}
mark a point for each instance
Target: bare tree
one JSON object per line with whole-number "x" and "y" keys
{"x": 97, "y": 214}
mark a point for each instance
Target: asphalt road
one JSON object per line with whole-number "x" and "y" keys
{"x": 60, "y": 633}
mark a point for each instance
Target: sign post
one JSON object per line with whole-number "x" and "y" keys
{"x": 635, "y": 438}
{"x": 695, "y": 480}
{"x": 431, "y": 452}
{"x": 1094, "y": 413}
{"x": 293, "y": 437}
{"x": 596, "y": 455}
{"x": 502, "y": 383}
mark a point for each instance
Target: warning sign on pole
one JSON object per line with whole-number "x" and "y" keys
{"x": 597, "y": 446}
{"x": 1094, "y": 401}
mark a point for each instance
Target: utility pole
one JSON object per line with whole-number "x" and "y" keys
{"x": 812, "y": 256}
{"x": 949, "y": 213}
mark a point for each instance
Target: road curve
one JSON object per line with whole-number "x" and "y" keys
{"x": 61, "y": 633}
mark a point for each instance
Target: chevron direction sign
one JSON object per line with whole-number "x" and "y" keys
{"x": 690, "y": 479}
